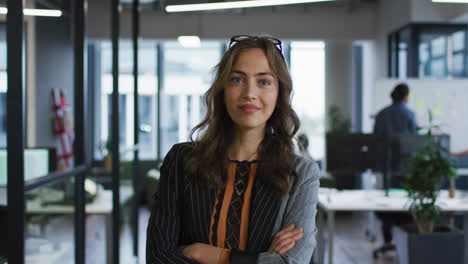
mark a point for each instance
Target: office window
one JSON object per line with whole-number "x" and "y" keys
{"x": 308, "y": 74}
{"x": 3, "y": 89}
{"x": 438, "y": 46}
{"x": 423, "y": 59}
{"x": 437, "y": 67}
{"x": 458, "y": 41}
{"x": 459, "y": 57}
{"x": 147, "y": 103}
{"x": 147, "y": 89}
{"x": 187, "y": 76}
{"x": 435, "y": 56}
{"x": 402, "y": 59}
{"x": 438, "y": 51}
{"x": 457, "y": 65}
{"x": 438, "y": 63}
{"x": 441, "y": 56}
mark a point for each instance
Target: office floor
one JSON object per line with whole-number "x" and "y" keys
{"x": 351, "y": 246}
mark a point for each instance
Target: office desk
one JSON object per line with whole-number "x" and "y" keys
{"x": 101, "y": 205}
{"x": 332, "y": 200}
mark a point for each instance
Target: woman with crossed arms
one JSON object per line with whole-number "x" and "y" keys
{"x": 238, "y": 193}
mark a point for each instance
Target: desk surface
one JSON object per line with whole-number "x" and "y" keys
{"x": 102, "y": 204}
{"x": 375, "y": 200}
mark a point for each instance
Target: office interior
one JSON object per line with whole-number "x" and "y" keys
{"x": 67, "y": 197}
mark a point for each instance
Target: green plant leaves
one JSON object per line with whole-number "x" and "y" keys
{"x": 426, "y": 170}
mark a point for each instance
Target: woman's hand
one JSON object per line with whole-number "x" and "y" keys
{"x": 202, "y": 253}
{"x": 285, "y": 240}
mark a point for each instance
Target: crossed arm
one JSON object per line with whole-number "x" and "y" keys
{"x": 206, "y": 254}
{"x": 290, "y": 245}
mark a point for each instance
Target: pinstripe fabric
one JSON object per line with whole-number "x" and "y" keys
{"x": 182, "y": 212}
{"x": 298, "y": 209}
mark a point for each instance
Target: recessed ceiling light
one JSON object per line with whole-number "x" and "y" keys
{"x": 451, "y": 1}
{"x": 189, "y": 41}
{"x": 236, "y": 4}
{"x": 35, "y": 12}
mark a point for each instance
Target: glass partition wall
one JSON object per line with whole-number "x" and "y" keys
{"x": 51, "y": 202}
{"x": 429, "y": 51}
{"x": 3, "y": 139}
{"x": 3, "y": 86}
{"x": 45, "y": 210}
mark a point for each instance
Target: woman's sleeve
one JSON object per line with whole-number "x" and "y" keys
{"x": 300, "y": 211}
{"x": 164, "y": 225}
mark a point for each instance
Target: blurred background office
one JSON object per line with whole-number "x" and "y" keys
{"x": 87, "y": 78}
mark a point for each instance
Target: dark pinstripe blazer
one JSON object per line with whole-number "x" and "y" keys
{"x": 182, "y": 209}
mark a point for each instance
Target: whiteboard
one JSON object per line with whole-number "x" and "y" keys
{"x": 447, "y": 99}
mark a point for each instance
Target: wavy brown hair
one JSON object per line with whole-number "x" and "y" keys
{"x": 209, "y": 158}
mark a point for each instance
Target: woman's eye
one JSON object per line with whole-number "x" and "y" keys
{"x": 265, "y": 82}
{"x": 236, "y": 80}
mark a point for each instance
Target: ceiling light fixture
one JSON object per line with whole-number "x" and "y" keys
{"x": 36, "y": 12}
{"x": 451, "y": 1}
{"x": 189, "y": 41}
{"x": 236, "y": 4}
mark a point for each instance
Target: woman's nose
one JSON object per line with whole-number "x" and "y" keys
{"x": 249, "y": 89}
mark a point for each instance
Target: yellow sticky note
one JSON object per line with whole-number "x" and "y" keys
{"x": 420, "y": 102}
{"x": 437, "y": 111}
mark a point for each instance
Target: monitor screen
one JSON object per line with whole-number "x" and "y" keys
{"x": 37, "y": 163}
{"x": 350, "y": 152}
{"x": 405, "y": 146}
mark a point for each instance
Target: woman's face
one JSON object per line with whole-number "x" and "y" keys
{"x": 252, "y": 90}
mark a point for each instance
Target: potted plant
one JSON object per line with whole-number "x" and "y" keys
{"x": 425, "y": 172}
{"x": 337, "y": 123}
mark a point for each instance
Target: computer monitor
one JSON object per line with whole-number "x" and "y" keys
{"x": 348, "y": 155}
{"x": 38, "y": 162}
{"x": 405, "y": 146}
{"x": 351, "y": 151}
{"x": 401, "y": 148}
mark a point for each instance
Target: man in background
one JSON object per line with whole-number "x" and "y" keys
{"x": 394, "y": 120}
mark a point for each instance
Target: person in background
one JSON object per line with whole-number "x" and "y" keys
{"x": 395, "y": 119}
{"x": 238, "y": 193}
{"x": 303, "y": 145}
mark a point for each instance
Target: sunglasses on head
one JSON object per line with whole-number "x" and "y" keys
{"x": 275, "y": 41}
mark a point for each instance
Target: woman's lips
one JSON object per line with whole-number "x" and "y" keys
{"x": 249, "y": 108}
